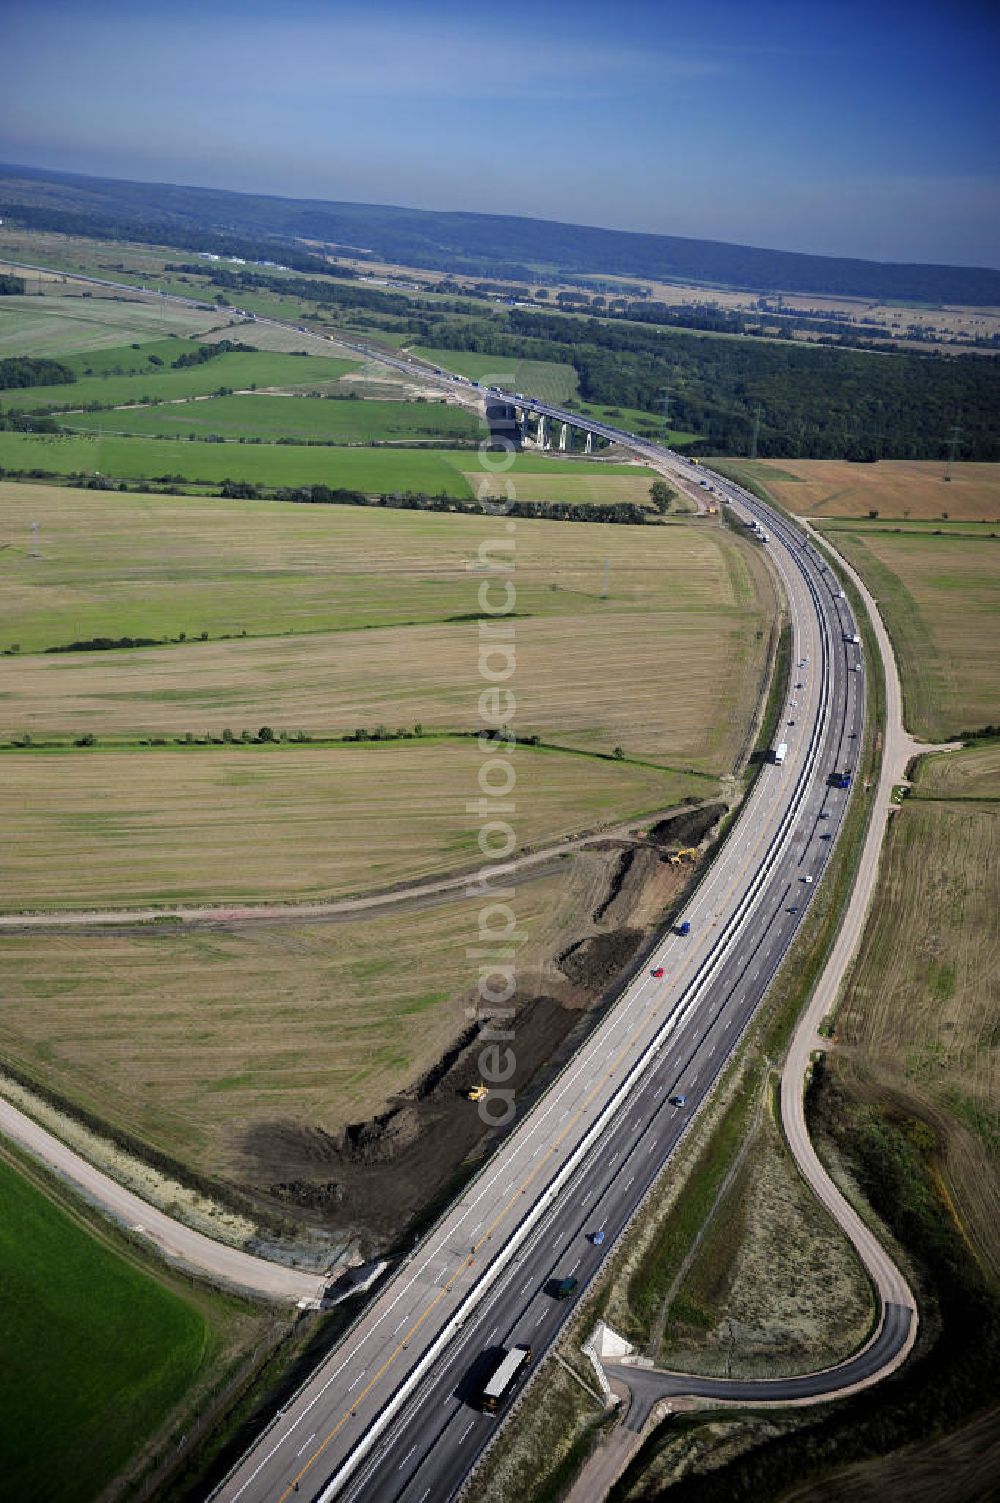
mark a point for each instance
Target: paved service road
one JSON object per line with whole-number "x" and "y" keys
{"x": 392, "y": 1413}
{"x": 172, "y": 1238}
{"x": 650, "y": 1384}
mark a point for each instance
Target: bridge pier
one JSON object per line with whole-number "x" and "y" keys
{"x": 543, "y": 432}
{"x": 563, "y": 433}
{"x": 588, "y": 447}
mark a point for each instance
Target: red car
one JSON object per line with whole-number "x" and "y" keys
{"x": 657, "y": 971}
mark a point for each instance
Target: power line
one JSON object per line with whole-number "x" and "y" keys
{"x": 953, "y": 440}
{"x": 757, "y": 430}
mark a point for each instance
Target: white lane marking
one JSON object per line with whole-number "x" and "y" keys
{"x": 357, "y": 1379}
{"x": 305, "y": 1443}
{"x": 541, "y": 1318}
{"x": 575, "y": 1266}
{"x": 492, "y": 1333}
{"x": 460, "y": 1439}
{"x": 406, "y": 1458}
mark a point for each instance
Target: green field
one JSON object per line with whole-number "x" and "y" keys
{"x": 336, "y": 421}
{"x": 96, "y": 1352}
{"x": 545, "y": 379}
{"x": 236, "y": 369}
{"x": 435, "y": 472}
{"x": 939, "y": 594}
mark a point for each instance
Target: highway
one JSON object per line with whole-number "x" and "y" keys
{"x": 389, "y": 1414}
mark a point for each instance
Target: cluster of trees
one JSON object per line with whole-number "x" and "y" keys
{"x": 11, "y": 286}
{"x": 622, "y": 512}
{"x": 814, "y": 402}
{"x": 25, "y": 370}
{"x": 14, "y": 421}
{"x": 202, "y": 353}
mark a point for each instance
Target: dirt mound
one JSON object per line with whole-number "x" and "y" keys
{"x": 301, "y": 1192}
{"x": 388, "y": 1171}
{"x": 380, "y": 1180}
{"x": 595, "y": 962}
{"x": 689, "y": 827}
{"x": 624, "y": 865}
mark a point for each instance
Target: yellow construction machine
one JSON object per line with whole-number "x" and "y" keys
{"x": 477, "y": 1092}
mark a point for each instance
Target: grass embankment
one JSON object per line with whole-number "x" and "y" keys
{"x": 306, "y": 419}
{"x": 99, "y": 1348}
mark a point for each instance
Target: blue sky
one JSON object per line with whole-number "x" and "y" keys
{"x": 844, "y": 128}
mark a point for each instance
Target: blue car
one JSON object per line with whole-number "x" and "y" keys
{"x": 678, "y": 1101}
{"x": 598, "y": 1237}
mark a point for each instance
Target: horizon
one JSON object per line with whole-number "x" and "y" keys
{"x": 61, "y": 172}
{"x": 865, "y": 133}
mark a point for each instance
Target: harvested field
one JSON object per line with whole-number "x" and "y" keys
{"x": 93, "y": 828}
{"x": 974, "y": 775}
{"x": 589, "y": 485}
{"x": 895, "y": 488}
{"x": 668, "y": 688}
{"x": 668, "y": 663}
{"x": 961, "y": 1467}
{"x": 940, "y": 597}
{"x": 918, "y": 1022}
{"x": 320, "y": 1066}
{"x": 54, "y": 326}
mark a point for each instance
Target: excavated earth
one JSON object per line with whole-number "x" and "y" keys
{"x": 376, "y": 1182}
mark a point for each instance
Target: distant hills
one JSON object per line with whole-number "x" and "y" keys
{"x": 475, "y": 244}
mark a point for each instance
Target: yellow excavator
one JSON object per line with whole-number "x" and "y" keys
{"x": 676, "y": 857}
{"x": 477, "y": 1092}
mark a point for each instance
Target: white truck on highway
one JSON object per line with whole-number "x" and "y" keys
{"x": 501, "y": 1384}
{"x": 780, "y": 753}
